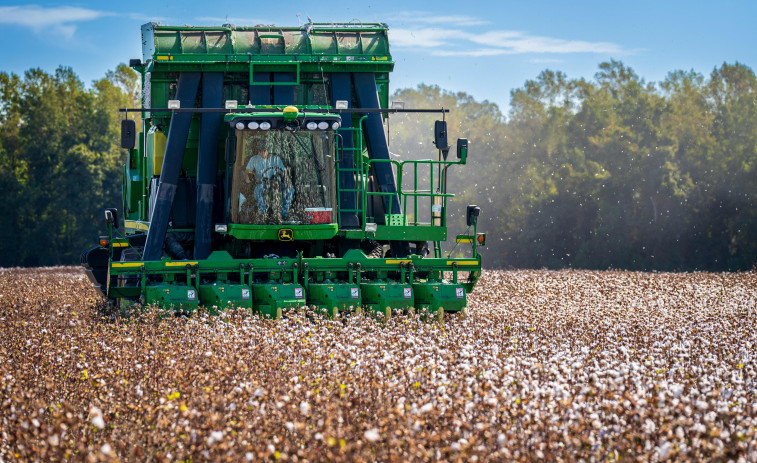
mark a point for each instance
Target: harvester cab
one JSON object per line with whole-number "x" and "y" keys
{"x": 287, "y": 199}
{"x": 283, "y": 168}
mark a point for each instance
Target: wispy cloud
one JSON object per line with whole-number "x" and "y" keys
{"x": 520, "y": 42}
{"x": 58, "y": 20}
{"x": 452, "y": 42}
{"x": 424, "y": 38}
{"x": 476, "y": 52}
{"x": 426, "y": 18}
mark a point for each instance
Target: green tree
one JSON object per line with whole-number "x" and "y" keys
{"x": 613, "y": 172}
{"x": 730, "y": 204}
{"x": 59, "y": 162}
{"x": 411, "y": 137}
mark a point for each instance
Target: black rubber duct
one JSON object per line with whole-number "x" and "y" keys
{"x": 341, "y": 89}
{"x": 367, "y": 95}
{"x": 207, "y": 161}
{"x": 283, "y": 94}
{"x": 260, "y": 94}
{"x": 169, "y": 174}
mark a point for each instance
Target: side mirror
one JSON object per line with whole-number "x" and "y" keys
{"x": 440, "y": 135}
{"x": 462, "y": 149}
{"x": 471, "y": 215}
{"x": 111, "y": 216}
{"x": 128, "y": 134}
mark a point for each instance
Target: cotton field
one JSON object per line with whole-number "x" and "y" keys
{"x": 546, "y": 365}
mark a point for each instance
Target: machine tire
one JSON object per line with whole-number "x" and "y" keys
{"x": 421, "y": 248}
{"x": 373, "y": 249}
{"x": 125, "y": 305}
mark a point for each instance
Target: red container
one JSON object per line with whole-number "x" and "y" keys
{"x": 315, "y": 215}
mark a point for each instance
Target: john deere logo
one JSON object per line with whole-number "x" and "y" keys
{"x": 286, "y": 234}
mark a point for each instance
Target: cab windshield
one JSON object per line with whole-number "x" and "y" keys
{"x": 283, "y": 177}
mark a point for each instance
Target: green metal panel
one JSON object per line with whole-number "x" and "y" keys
{"x": 134, "y": 187}
{"x": 450, "y": 297}
{"x": 380, "y": 295}
{"x": 311, "y": 65}
{"x": 224, "y": 296}
{"x": 334, "y": 295}
{"x": 408, "y": 233}
{"x": 176, "y": 296}
{"x": 271, "y": 298}
{"x": 351, "y": 45}
{"x": 271, "y": 232}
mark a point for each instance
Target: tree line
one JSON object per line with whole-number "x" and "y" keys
{"x": 60, "y": 162}
{"x": 612, "y": 172}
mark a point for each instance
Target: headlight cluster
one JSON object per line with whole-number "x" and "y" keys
{"x": 322, "y": 125}
{"x": 266, "y": 125}
{"x": 253, "y": 125}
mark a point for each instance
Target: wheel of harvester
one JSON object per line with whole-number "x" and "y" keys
{"x": 373, "y": 249}
{"x": 126, "y": 305}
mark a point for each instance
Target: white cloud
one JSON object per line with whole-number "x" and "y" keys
{"x": 425, "y": 18}
{"x": 456, "y": 20}
{"x": 58, "y": 20}
{"x": 424, "y": 38}
{"x": 519, "y": 42}
{"x": 472, "y": 52}
{"x": 456, "y": 42}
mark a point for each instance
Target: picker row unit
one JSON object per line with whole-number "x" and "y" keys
{"x": 261, "y": 178}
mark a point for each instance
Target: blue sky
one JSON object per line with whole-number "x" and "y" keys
{"x": 484, "y": 48}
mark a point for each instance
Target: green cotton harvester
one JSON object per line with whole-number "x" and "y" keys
{"x": 262, "y": 179}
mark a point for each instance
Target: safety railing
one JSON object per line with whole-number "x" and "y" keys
{"x": 437, "y": 200}
{"x": 410, "y": 199}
